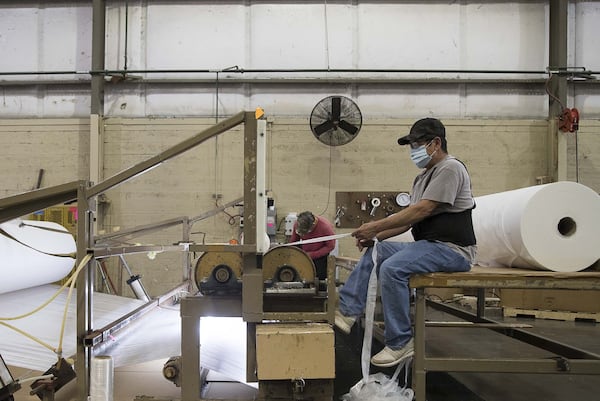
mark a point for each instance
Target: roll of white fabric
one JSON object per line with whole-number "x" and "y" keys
{"x": 547, "y": 227}
{"x": 102, "y": 379}
{"x": 29, "y": 254}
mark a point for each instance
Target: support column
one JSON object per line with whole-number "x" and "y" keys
{"x": 84, "y": 284}
{"x": 419, "y": 372}
{"x": 97, "y": 101}
{"x": 557, "y": 141}
{"x": 86, "y": 222}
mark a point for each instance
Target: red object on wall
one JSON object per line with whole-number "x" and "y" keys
{"x": 569, "y": 120}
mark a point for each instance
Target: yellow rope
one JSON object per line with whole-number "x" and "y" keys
{"x": 37, "y": 340}
{"x": 84, "y": 261}
{"x": 64, "y": 322}
{"x": 71, "y": 281}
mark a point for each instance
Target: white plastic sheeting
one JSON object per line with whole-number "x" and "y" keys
{"x": 154, "y": 336}
{"x": 33, "y": 253}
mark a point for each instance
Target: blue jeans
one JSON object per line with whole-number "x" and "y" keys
{"x": 396, "y": 261}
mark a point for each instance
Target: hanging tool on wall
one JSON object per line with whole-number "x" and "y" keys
{"x": 38, "y": 184}
{"x": 568, "y": 119}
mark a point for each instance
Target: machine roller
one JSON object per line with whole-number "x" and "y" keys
{"x": 219, "y": 273}
{"x": 285, "y": 269}
{"x": 288, "y": 268}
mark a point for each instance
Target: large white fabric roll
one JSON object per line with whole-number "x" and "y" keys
{"x": 547, "y": 227}
{"x": 29, "y": 254}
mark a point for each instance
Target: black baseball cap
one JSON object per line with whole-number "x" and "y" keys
{"x": 424, "y": 129}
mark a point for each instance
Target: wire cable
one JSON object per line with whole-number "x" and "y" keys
{"x": 329, "y": 184}
{"x": 547, "y": 86}
{"x": 326, "y": 34}
{"x": 60, "y": 255}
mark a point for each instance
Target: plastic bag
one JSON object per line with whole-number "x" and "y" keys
{"x": 378, "y": 386}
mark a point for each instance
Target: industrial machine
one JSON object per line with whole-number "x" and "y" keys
{"x": 274, "y": 290}
{"x": 291, "y": 346}
{"x": 290, "y": 340}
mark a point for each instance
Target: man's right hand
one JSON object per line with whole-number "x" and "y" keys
{"x": 365, "y": 243}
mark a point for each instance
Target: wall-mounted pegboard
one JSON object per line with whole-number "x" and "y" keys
{"x": 356, "y": 208}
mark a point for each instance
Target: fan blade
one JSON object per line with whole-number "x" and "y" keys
{"x": 335, "y": 108}
{"x": 339, "y": 137}
{"x": 323, "y": 127}
{"x": 346, "y": 126}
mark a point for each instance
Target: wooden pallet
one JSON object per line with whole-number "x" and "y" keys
{"x": 554, "y": 315}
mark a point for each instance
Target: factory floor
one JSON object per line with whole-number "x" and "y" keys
{"x": 484, "y": 343}
{"x": 519, "y": 387}
{"x": 146, "y": 379}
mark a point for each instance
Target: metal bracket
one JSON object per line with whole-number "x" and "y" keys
{"x": 562, "y": 364}
{"x": 298, "y": 385}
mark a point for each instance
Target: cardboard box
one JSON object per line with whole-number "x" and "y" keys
{"x": 552, "y": 300}
{"x": 294, "y": 351}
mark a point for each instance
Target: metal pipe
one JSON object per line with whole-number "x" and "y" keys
{"x": 124, "y": 72}
{"x": 302, "y": 81}
{"x": 98, "y": 336}
{"x": 29, "y": 202}
{"x": 286, "y": 81}
{"x": 271, "y": 71}
{"x": 85, "y": 292}
{"x": 557, "y": 89}
{"x": 94, "y": 72}
{"x": 59, "y": 72}
{"x": 98, "y": 56}
{"x": 173, "y": 151}
{"x": 128, "y": 234}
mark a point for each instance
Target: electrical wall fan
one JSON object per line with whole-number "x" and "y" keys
{"x": 335, "y": 120}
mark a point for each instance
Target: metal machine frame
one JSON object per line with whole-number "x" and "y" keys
{"x": 570, "y": 360}
{"x": 84, "y": 193}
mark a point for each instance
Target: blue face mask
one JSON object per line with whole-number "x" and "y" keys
{"x": 420, "y": 157}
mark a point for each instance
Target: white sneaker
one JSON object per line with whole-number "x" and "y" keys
{"x": 389, "y": 357}
{"x": 344, "y": 323}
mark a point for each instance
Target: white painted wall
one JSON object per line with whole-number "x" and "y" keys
{"x": 499, "y": 130}
{"x": 213, "y": 35}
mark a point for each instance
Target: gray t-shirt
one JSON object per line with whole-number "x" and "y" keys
{"x": 447, "y": 182}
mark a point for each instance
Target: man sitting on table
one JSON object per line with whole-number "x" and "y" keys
{"x": 439, "y": 216}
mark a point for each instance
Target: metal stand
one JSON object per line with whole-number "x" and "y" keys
{"x": 569, "y": 360}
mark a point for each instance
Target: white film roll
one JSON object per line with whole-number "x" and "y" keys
{"x": 102, "y": 379}
{"x": 547, "y": 227}
{"x": 28, "y": 252}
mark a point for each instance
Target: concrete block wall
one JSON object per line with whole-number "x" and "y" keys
{"x": 58, "y": 146}
{"x": 585, "y": 145}
{"x": 302, "y": 173}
